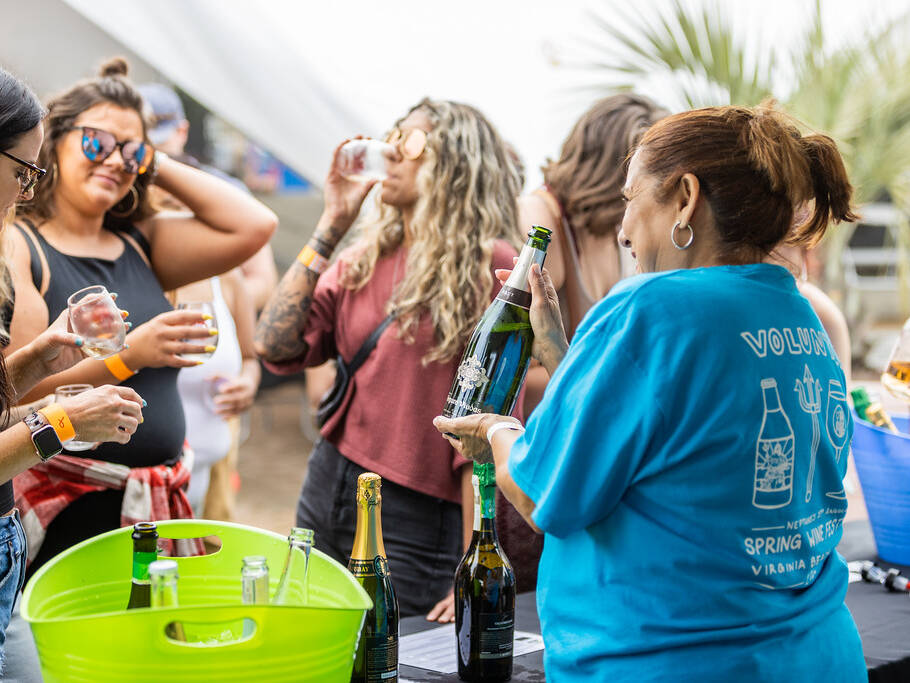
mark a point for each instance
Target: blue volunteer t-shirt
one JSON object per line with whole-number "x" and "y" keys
{"x": 687, "y": 463}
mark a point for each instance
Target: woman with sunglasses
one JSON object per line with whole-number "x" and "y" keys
{"x": 446, "y": 218}
{"x": 103, "y": 414}
{"x": 93, "y": 224}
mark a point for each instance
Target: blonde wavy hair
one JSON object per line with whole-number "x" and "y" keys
{"x": 467, "y": 187}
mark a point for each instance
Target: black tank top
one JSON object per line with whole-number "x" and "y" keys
{"x": 159, "y": 439}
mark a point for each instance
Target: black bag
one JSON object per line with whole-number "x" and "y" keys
{"x": 331, "y": 400}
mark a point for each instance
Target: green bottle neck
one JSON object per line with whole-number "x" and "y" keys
{"x": 484, "y": 493}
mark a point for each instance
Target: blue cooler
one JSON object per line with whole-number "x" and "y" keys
{"x": 883, "y": 463}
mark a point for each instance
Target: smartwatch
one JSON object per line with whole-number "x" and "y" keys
{"x": 47, "y": 443}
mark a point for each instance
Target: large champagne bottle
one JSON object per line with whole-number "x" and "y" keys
{"x": 484, "y": 593}
{"x": 145, "y": 551}
{"x": 376, "y": 660}
{"x": 496, "y": 358}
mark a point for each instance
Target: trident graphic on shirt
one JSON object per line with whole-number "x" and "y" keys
{"x": 810, "y": 400}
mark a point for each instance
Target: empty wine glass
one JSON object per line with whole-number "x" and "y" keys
{"x": 64, "y": 392}
{"x": 206, "y": 309}
{"x": 95, "y": 317}
{"x": 364, "y": 160}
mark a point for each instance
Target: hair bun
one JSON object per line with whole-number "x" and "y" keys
{"x": 116, "y": 66}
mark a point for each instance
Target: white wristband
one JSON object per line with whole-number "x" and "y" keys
{"x": 496, "y": 426}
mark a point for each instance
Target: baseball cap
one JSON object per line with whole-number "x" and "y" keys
{"x": 164, "y": 108}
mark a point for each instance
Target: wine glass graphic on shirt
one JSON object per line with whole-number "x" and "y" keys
{"x": 836, "y": 424}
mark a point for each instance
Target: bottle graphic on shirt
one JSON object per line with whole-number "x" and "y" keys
{"x": 773, "y": 453}
{"x": 497, "y": 355}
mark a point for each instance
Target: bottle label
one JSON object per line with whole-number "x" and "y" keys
{"x": 471, "y": 374}
{"x": 497, "y": 631}
{"x": 381, "y": 654}
{"x": 141, "y": 562}
{"x": 513, "y": 295}
{"x": 378, "y": 566}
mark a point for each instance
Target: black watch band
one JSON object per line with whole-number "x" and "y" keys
{"x": 44, "y": 438}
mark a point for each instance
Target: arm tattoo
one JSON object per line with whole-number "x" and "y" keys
{"x": 279, "y": 330}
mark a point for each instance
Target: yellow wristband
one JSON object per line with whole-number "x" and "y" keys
{"x": 312, "y": 259}
{"x": 117, "y": 367}
{"x": 59, "y": 420}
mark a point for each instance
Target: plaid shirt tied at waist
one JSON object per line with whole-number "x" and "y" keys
{"x": 149, "y": 494}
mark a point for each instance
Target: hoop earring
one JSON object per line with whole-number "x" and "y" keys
{"x": 134, "y": 193}
{"x": 673, "y": 239}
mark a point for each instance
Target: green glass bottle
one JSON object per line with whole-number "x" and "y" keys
{"x": 163, "y": 576}
{"x": 484, "y": 593}
{"x": 376, "y": 660}
{"x": 497, "y": 355}
{"x": 861, "y": 401}
{"x": 145, "y": 551}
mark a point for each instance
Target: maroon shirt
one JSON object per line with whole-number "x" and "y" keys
{"x": 385, "y": 423}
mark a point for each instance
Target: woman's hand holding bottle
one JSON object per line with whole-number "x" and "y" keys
{"x": 550, "y": 343}
{"x": 159, "y": 342}
{"x": 107, "y": 413}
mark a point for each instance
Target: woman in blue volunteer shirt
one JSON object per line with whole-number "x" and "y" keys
{"x": 686, "y": 461}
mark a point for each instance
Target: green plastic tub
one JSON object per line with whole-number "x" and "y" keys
{"x": 76, "y": 607}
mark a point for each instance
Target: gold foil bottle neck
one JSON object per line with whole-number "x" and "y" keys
{"x": 368, "y": 488}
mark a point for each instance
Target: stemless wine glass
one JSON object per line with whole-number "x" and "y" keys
{"x": 64, "y": 392}
{"x": 364, "y": 160}
{"x": 95, "y": 317}
{"x": 896, "y": 377}
{"x": 205, "y": 308}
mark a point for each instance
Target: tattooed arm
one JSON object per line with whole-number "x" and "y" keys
{"x": 279, "y": 332}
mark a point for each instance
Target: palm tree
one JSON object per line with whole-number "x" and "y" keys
{"x": 859, "y": 94}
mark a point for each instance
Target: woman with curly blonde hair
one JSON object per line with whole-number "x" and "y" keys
{"x": 446, "y": 218}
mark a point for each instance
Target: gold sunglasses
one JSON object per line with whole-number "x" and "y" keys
{"x": 410, "y": 144}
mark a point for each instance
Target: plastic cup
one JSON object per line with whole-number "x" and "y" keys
{"x": 64, "y": 392}
{"x": 364, "y": 160}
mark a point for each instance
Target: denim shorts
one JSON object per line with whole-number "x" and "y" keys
{"x": 12, "y": 571}
{"x": 422, "y": 534}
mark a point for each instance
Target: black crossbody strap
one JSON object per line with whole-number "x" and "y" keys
{"x": 369, "y": 344}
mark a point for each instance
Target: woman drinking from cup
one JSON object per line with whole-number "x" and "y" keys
{"x": 446, "y": 218}
{"x": 690, "y": 516}
{"x": 93, "y": 225}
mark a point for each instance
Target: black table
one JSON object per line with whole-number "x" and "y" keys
{"x": 881, "y": 617}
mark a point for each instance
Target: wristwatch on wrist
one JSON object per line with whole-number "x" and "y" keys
{"x": 47, "y": 443}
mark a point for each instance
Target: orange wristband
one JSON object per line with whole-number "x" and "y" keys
{"x": 117, "y": 367}
{"x": 59, "y": 420}
{"x": 312, "y": 259}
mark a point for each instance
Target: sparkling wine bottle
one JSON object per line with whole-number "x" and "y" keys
{"x": 376, "y": 660}
{"x": 496, "y": 358}
{"x": 145, "y": 551}
{"x": 484, "y": 593}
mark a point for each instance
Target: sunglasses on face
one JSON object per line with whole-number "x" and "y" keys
{"x": 98, "y": 145}
{"x": 27, "y": 174}
{"x": 411, "y": 144}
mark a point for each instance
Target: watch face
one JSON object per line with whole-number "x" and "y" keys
{"x": 47, "y": 442}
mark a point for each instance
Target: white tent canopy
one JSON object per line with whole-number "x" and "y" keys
{"x": 298, "y": 77}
